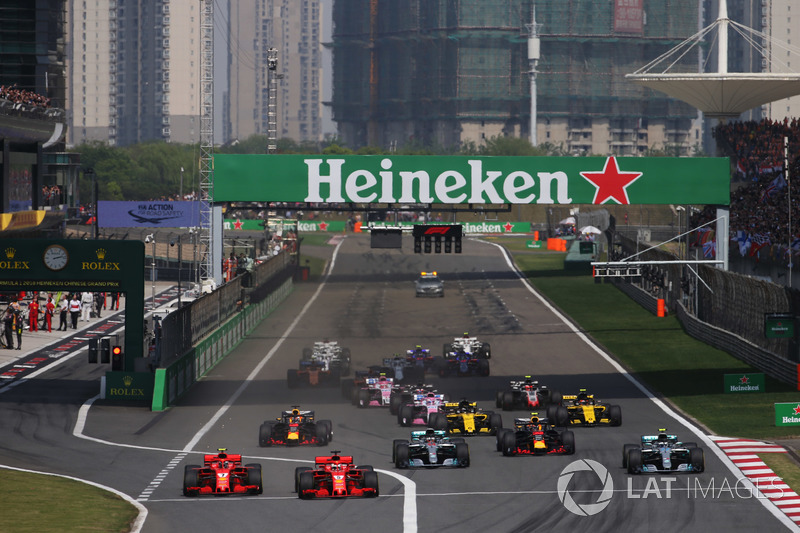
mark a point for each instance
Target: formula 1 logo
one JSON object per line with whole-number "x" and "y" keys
{"x": 586, "y": 509}
{"x": 437, "y": 230}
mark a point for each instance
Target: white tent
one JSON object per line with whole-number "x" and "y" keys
{"x": 586, "y": 230}
{"x": 568, "y": 221}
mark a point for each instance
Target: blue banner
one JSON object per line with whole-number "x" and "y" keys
{"x": 149, "y": 214}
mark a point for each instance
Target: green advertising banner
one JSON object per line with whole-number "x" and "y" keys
{"x": 130, "y": 386}
{"x": 471, "y": 180}
{"x": 338, "y": 226}
{"x": 779, "y": 325}
{"x": 787, "y": 414}
{"x": 535, "y": 245}
{"x": 735, "y": 383}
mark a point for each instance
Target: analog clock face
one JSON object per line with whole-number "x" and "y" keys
{"x": 55, "y": 257}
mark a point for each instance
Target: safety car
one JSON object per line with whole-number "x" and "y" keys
{"x": 221, "y": 474}
{"x": 295, "y": 427}
{"x": 535, "y": 436}
{"x": 662, "y": 453}
{"x": 429, "y": 284}
{"x": 430, "y": 448}
{"x": 335, "y": 476}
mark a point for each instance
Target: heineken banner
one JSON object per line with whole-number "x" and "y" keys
{"x": 471, "y": 180}
{"x": 744, "y": 383}
{"x": 787, "y": 414}
{"x": 338, "y": 226}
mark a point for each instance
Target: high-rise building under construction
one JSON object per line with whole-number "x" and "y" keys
{"x": 446, "y": 72}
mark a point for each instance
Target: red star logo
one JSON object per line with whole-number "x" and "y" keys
{"x": 508, "y": 226}
{"x": 237, "y": 224}
{"x": 323, "y": 226}
{"x": 611, "y": 183}
{"x": 744, "y": 380}
{"x": 797, "y": 409}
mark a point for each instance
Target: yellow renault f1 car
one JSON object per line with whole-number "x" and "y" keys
{"x": 583, "y": 409}
{"x": 464, "y": 418}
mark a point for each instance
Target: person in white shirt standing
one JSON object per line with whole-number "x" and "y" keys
{"x": 87, "y": 300}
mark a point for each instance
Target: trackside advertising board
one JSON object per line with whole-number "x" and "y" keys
{"x": 787, "y": 414}
{"x": 738, "y": 383}
{"x": 471, "y": 180}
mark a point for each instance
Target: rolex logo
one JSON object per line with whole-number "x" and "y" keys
{"x": 11, "y": 252}
{"x": 101, "y": 253}
{"x": 127, "y": 380}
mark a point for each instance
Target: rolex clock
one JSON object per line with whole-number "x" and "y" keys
{"x": 55, "y": 257}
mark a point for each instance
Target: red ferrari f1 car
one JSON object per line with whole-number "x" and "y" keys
{"x": 222, "y": 474}
{"x": 335, "y": 476}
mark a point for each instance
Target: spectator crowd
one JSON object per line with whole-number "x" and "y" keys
{"x": 24, "y": 97}
{"x": 760, "y": 206}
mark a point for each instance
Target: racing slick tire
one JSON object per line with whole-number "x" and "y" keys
{"x": 328, "y": 428}
{"x": 291, "y": 378}
{"x": 368, "y": 468}
{"x": 555, "y": 397}
{"x": 486, "y": 351}
{"x": 371, "y": 482}
{"x": 458, "y": 440}
{"x": 499, "y": 438}
{"x": 634, "y": 460}
{"x": 345, "y": 361}
{"x": 446, "y": 349}
{"x": 568, "y": 441}
{"x": 483, "y": 367}
{"x": 254, "y": 477}
{"x": 625, "y": 449}
{"x": 265, "y": 434}
{"x": 395, "y": 444}
{"x": 498, "y": 399}
{"x": 615, "y": 415}
{"x": 508, "y": 444}
{"x": 297, "y": 471}
{"x": 689, "y": 445}
{"x": 363, "y": 398}
{"x": 347, "y": 388}
{"x": 395, "y": 401}
{"x": 495, "y": 423}
{"x": 462, "y": 454}
{"x": 354, "y": 392}
{"x": 697, "y": 459}
{"x": 438, "y": 421}
{"x": 307, "y": 354}
{"x": 406, "y": 415}
{"x": 306, "y": 482}
{"x": 190, "y": 479}
{"x": 440, "y": 367}
{"x": 561, "y": 416}
{"x": 321, "y": 432}
{"x": 508, "y": 400}
{"x": 401, "y": 456}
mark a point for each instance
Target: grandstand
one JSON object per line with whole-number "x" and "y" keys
{"x": 32, "y": 120}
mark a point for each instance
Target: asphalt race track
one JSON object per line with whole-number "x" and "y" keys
{"x": 368, "y": 304}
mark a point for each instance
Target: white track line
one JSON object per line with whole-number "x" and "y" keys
{"x": 769, "y": 506}
{"x": 409, "y": 496}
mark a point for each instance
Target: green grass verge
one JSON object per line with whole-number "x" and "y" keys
{"x": 35, "y": 503}
{"x": 671, "y": 363}
{"x": 784, "y": 467}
